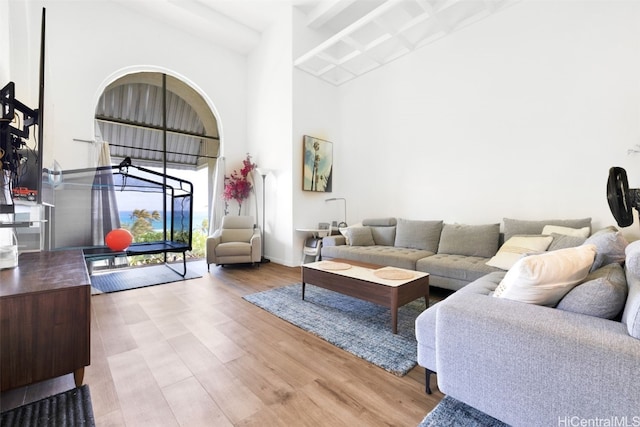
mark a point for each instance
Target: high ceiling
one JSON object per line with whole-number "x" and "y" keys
{"x": 359, "y": 35}
{"x": 365, "y": 35}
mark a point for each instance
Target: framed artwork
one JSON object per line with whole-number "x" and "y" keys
{"x": 318, "y": 164}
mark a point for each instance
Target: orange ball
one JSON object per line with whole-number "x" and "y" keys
{"x": 118, "y": 239}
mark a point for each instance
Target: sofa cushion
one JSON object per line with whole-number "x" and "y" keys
{"x": 631, "y": 313}
{"x": 602, "y": 294}
{"x": 360, "y": 236}
{"x": 514, "y": 248}
{"x": 416, "y": 234}
{"x": 545, "y": 278}
{"x": 426, "y": 322}
{"x": 513, "y": 227}
{"x": 562, "y": 241}
{"x": 471, "y": 240}
{"x": 459, "y": 267}
{"x": 380, "y": 255}
{"x": 233, "y": 249}
{"x": 610, "y": 246}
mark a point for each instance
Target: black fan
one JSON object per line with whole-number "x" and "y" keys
{"x": 621, "y": 199}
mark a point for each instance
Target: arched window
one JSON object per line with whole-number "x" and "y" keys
{"x": 131, "y": 117}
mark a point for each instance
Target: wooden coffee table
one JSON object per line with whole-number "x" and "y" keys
{"x": 387, "y": 286}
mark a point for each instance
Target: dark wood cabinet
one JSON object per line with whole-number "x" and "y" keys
{"x": 45, "y": 318}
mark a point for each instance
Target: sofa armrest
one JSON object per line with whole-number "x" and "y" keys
{"x": 531, "y": 365}
{"x": 256, "y": 245}
{"x": 336, "y": 240}
{"x": 212, "y": 242}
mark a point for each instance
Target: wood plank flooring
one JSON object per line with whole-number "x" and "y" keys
{"x": 194, "y": 353}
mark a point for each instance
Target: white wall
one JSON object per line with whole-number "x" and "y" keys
{"x": 519, "y": 115}
{"x": 20, "y": 46}
{"x": 89, "y": 44}
{"x": 5, "y": 62}
{"x": 269, "y": 132}
{"x": 315, "y": 113}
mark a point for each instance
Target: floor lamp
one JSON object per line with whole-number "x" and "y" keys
{"x": 263, "y": 173}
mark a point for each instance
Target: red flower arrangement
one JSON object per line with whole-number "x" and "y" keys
{"x": 237, "y": 186}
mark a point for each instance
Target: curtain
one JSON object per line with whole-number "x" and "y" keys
{"x": 104, "y": 207}
{"x": 217, "y": 201}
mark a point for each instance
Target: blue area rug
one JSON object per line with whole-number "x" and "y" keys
{"x": 359, "y": 327}
{"x": 453, "y": 413}
{"x": 138, "y": 277}
{"x": 69, "y": 409}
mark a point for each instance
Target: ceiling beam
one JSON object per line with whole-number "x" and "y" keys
{"x": 366, "y": 19}
{"x": 325, "y": 11}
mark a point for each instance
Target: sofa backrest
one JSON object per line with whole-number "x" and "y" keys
{"x": 514, "y": 227}
{"x": 236, "y": 229}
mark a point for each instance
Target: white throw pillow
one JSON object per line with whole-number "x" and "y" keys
{"x": 545, "y": 278}
{"x": 513, "y": 249}
{"x": 567, "y": 231}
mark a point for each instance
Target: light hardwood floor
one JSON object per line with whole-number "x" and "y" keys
{"x": 194, "y": 353}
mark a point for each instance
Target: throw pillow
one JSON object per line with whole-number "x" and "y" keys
{"x": 514, "y": 227}
{"x": 344, "y": 231}
{"x": 416, "y": 234}
{"x": 360, "y": 236}
{"x": 567, "y": 231}
{"x": 602, "y": 294}
{"x": 632, "y": 262}
{"x": 514, "y": 248}
{"x": 384, "y": 236}
{"x": 631, "y": 314}
{"x": 562, "y": 241}
{"x": 469, "y": 240}
{"x": 610, "y": 247}
{"x": 545, "y": 278}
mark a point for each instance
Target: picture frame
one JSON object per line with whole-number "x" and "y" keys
{"x": 317, "y": 173}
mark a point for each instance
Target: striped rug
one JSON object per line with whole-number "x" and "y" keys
{"x": 71, "y": 408}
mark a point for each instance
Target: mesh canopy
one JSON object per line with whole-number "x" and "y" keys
{"x": 136, "y": 191}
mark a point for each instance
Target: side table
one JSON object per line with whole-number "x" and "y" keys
{"x": 45, "y": 318}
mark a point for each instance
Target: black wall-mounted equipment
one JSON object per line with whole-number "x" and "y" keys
{"x": 621, "y": 198}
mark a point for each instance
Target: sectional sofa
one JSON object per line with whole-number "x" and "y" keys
{"x": 454, "y": 255}
{"x": 526, "y": 362}
{"x": 544, "y": 328}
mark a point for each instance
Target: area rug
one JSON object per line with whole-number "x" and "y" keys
{"x": 359, "y": 327}
{"x": 138, "y": 277}
{"x": 71, "y": 408}
{"x": 453, "y": 413}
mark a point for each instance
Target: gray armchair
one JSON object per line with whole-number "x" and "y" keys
{"x": 236, "y": 241}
